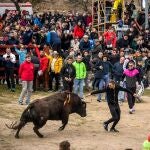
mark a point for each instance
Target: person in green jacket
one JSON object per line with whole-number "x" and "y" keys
{"x": 146, "y": 144}
{"x": 80, "y": 76}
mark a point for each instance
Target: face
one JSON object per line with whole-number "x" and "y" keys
{"x": 122, "y": 53}
{"x": 79, "y": 23}
{"x": 42, "y": 53}
{"x": 122, "y": 60}
{"x": 105, "y": 59}
{"x": 85, "y": 53}
{"x": 8, "y": 51}
{"x": 100, "y": 55}
{"x": 125, "y": 37}
{"x": 131, "y": 65}
{"x": 85, "y": 39}
{"x": 79, "y": 58}
{"x": 82, "y": 109}
{"x": 28, "y": 59}
{"x": 114, "y": 52}
{"x": 111, "y": 85}
{"x": 69, "y": 61}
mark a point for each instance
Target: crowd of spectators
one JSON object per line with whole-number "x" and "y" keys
{"x": 67, "y": 47}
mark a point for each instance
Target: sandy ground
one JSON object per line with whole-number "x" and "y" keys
{"x": 83, "y": 133}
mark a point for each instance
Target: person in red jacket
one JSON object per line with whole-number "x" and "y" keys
{"x": 26, "y": 74}
{"x": 110, "y": 38}
{"x": 43, "y": 76}
{"x": 78, "y": 30}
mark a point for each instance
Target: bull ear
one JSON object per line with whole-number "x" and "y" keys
{"x": 84, "y": 104}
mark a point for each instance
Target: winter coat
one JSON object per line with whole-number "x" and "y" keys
{"x": 26, "y": 71}
{"x": 80, "y": 70}
{"x": 78, "y": 31}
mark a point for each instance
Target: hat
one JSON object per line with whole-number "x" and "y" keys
{"x": 55, "y": 53}
{"x": 85, "y": 36}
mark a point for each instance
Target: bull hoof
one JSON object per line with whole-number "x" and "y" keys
{"x": 61, "y": 128}
{"x": 40, "y": 136}
{"x": 16, "y": 136}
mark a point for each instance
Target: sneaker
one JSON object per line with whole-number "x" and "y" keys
{"x": 98, "y": 100}
{"x": 20, "y": 103}
{"x": 12, "y": 90}
{"x": 113, "y": 130}
{"x": 105, "y": 126}
{"x": 131, "y": 111}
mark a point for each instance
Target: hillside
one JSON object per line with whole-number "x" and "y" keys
{"x": 61, "y": 5}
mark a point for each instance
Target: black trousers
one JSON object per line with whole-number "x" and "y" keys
{"x": 68, "y": 86}
{"x": 131, "y": 99}
{"x": 10, "y": 78}
{"x": 34, "y": 80}
{"x": 115, "y": 112}
{"x": 57, "y": 78}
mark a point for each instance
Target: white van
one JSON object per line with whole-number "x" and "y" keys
{"x": 11, "y": 7}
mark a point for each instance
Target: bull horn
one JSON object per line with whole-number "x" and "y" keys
{"x": 12, "y": 126}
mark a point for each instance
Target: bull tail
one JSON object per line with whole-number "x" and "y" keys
{"x": 25, "y": 117}
{"x": 13, "y": 125}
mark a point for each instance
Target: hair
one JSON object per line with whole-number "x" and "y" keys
{"x": 64, "y": 145}
{"x": 112, "y": 81}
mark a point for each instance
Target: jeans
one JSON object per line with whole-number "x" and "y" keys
{"x": 26, "y": 90}
{"x": 78, "y": 87}
{"x": 121, "y": 94}
{"x": 105, "y": 80}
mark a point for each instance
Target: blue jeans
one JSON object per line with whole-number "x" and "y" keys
{"x": 121, "y": 94}
{"x": 78, "y": 87}
{"x": 103, "y": 82}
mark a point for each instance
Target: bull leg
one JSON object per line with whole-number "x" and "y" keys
{"x": 64, "y": 122}
{"x": 37, "y": 127}
{"x": 20, "y": 126}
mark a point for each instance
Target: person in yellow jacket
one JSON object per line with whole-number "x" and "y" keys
{"x": 54, "y": 68}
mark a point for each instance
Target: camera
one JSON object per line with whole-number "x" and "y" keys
{"x": 8, "y": 56}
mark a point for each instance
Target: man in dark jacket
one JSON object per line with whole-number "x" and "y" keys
{"x": 68, "y": 74}
{"x": 85, "y": 44}
{"x": 112, "y": 91}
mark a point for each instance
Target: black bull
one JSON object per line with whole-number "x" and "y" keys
{"x": 54, "y": 107}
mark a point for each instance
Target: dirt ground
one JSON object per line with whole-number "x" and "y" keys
{"x": 83, "y": 133}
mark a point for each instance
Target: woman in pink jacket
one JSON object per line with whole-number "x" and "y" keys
{"x": 26, "y": 73}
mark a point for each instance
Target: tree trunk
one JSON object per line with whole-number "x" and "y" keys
{"x": 16, "y": 2}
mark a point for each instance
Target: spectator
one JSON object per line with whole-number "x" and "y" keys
{"x": 85, "y": 44}
{"x": 80, "y": 76}
{"x": 146, "y": 144}
{"x": 68, "y": 74}
{"x": 43, "y": 69}
{"x": 54, "y": 68}
{"x": 132, "y": 76}
{"x": 78, "y": 30}
{"x": 105, "y": 77}
{"x": 26, "y": 73}
{"x": 10, "y": 61}
{"x": 22, "y": 53}
{"x": 75, "y": 44}
{"x": 64, "y": 145}
{"x": 110, "y": 38}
